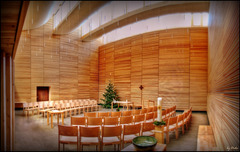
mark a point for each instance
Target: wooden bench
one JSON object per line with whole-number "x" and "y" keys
{"x": 205, "y": 141}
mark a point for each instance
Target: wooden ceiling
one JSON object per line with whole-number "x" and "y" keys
{"x": 12, "y": 18}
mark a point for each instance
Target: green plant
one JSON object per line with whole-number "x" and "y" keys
{"x": 109, "y": 95}
{"x": 118, "y": 109}
{"x": 159, "y": 123}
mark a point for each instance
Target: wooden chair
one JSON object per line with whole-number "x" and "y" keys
{"x": 147, "y": 129}
{"x": 90, "y": 114}
{"x": 51, "y": 105}
{"x": 32, "y": 107}
{"x": 143, "y": 111}
{"x": 154, "y": 115}
{"x": 90, "y": 136}
{"x": 136, "y": 112}
{"x": 116, "y": 114}
{"x": 154, "y": 108}
{"x": 26, "y": 108}
{"x": 139, "y": 118}
{"x": 96, "y": 105}
{"x": 103, "y": 114}
{"x": 130, "y": 132}
{"x": 164, "y": 114}
{"x": 180, "y": 122}
{"x": 171, "y": 126}
{"x": 112, "y": 121}
{"x": 94, "y": 121}
{"x": 86, "y": 105}
{"x": 42, "y": 108}
{"x": 126, "y": 113}
{"x": 126, "y": 120}
{"x": 149, "y": 109}
{"x": 111, "y": 136}
{"x": 149, "y": 117}
{"x": 67, "y": 135}
{"x": 78, "y": 121}
{"x": 168, "y": 113}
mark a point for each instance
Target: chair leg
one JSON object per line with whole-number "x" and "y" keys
{"x": 63, "y": 146}
{"x": 182, "y": 129}
{"x": 114, "y": 147}
{"x": 58, "y": 146}
{"x": 167, "y": 138}
{"x": 176, "y": 133}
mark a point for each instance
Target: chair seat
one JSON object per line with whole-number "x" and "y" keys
{"x": 68, "y": 139}
{"x": 129, "y": 138}
{"x": 148, "y": 133}
{"x": 180, "y": 123}
{"x": 172, "y": 127}
{"x": 111, "y": 140}
{"x": 89, "y": 140}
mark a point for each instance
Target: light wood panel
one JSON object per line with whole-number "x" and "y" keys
{"x": 64, "y": 63}
{"x": 223, "y": 73}
{"x": 136, "y": 70}
{"x": 122, "y": 68}
{"x": 174, "y": 68}
{"x": 164, "y": 62}
{"x": 198, "y": 68}
{"x": 150, "y": 67}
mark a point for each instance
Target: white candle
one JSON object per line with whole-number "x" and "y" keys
{"x": 159, "y": 109}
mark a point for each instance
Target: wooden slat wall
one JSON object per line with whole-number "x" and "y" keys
{"x": 174, "y": 68}
{"x": 23, "y": 69}
{"x": 198, "y": 68}
{"x": 136, "y": 69}
{"x": 67, "y": 65}
{"x": 150, "y": 67}
{"x": 223, "y": 74}
{"x": 161, "y": 62}
{"x": 122, "y": 68}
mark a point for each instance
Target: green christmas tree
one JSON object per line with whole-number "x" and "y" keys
{"x": 109, "y": 95}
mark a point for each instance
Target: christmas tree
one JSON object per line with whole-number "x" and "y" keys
{"x": 109, "y": 95}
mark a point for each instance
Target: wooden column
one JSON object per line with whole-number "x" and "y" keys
{"x": 7, "y": 116}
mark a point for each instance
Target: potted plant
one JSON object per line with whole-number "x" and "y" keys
{"x": 159, "y": 123}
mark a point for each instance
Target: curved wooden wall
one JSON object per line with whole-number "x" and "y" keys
{"x": 223, "y": 74}
{"x": 170, "y": 63}
{"x": 67, "y": 65}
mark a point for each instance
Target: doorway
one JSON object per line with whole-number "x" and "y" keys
{"x": 42, "y": 93}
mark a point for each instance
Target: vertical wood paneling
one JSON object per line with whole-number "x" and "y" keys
{"x": 167, "y": 63}
{"x": 36, "y": 60}
{"x": 223, "y": 73}
{"x": 109, "y": 55}
{"x": 64, "y": 63}
{"x": 198, "y": 68}
{"x": 136, "y": 69}
{"x": 150, "y": 67}
{"x": 174, "y": 68}
{"x": 102, "y": 71}
{"x": 23, "y": 69}
{"x": 122, "y": 65}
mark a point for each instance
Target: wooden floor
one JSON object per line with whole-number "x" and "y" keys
{"x": 33, "y": 134}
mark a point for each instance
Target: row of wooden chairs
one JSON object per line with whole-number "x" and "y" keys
{"x": 105, "y": 135}
{"x": 112, "y": 130}
{"x": 173, "y": 123}
{"x": 65, "y": 105}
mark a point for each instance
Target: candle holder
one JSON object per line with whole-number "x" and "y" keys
{"x": 159, "y": 130}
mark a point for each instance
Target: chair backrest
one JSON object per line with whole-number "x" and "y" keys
{"x": 167, "y": 111}
{"x": 67, "y": 105}
{"x": 103, "y": 114}
{"x": 40, "y": 105}
{"x": 45, "y": 104}
{"x": 116, "y": 114}
{"x": 35, "y": 104}
{"x": 164, "y": 112}
{"x": 143, "y": 111}
{"x": 50, "y": 104}
{"x": 30, "y": 104}
{"x": 25, "y": 105}
{"x": 76, "y": 104}
{"x": 94, "y": 121}
{"x": 90, "y": 114}
{"x": 89, "y": 131}
{"x": 148, "y": 126}
{"x": 139, "y": 118}
{"x": 180, "y": 118}
{"x": 72, "y": 104}
{"x": 132, "y": 129}
{"x": 155, "y": 108}
{"x": 149, "y": 109}
{"x": 154, "y": 115}
{"x": 110, "y": 131}
{"x": 67, "y": 130}
{"x": 110, "y": 120}
{"x": 136, "y": 112}
{"x": 172, "y": 120}
{"x": 126, "y": 119}
{"x": 149, "y": 116}
{"x": 78, "y": 121}
{"x": 57, "y": 106}
{"x": 126, "y": 113}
